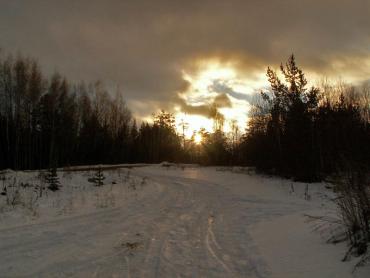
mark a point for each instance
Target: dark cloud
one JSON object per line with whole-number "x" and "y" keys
{"x": 202, "y": 110}
{"x": 222, "y": 100}
{"x": 144, "y": 45}
{"x": 207, "y": 110}
{"x": 219, "y": 86}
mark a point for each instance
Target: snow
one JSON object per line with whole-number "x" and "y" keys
{"x": 170, "y": 221}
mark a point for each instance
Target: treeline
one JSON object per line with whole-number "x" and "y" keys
{"x": 294, "y": 131}
{"x": 308, "y": 133}
{"x": 49, "y": 122}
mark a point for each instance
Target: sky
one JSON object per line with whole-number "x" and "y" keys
{"x": 188, "y": 56}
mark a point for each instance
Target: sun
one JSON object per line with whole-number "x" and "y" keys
{"x": 198, "y": 138}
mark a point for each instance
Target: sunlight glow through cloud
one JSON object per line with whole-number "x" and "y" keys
{"x": 214, "y": 79}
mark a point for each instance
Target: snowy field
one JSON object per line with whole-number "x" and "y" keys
{"x": 160, "y": 221}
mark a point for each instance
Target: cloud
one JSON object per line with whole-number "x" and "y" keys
{"x": 207, "y": 110}
{"x": 220, "y": 86}
{"x": 144, "y": 45}
{"x": 222, "y": 100}
{"x": 202, "y": 110}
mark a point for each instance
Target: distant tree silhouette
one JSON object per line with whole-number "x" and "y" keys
{"x": 159, "y": 141}
{"x": 214, "y": 148}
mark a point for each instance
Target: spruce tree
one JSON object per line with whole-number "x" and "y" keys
{"x": 52, "y": 179}
{"x": 98, "y": 177}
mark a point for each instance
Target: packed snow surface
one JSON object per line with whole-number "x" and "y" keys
{"x": 169, "y": 221}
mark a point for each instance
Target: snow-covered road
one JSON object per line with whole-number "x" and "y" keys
{"x": 188, "y": 223}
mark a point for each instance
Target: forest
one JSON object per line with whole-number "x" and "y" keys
{"x": 293, "y": 131}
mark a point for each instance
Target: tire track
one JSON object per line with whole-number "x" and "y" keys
{"x": 210, "y": 249}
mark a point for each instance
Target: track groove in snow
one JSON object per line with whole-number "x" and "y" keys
{"x": 210, "y": 249}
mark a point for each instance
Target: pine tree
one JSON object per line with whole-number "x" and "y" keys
{"x": 290, "y": 128}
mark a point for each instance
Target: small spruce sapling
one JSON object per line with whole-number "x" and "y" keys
{"x": 52, "y": 179}
{"x": 98, "y": 178}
